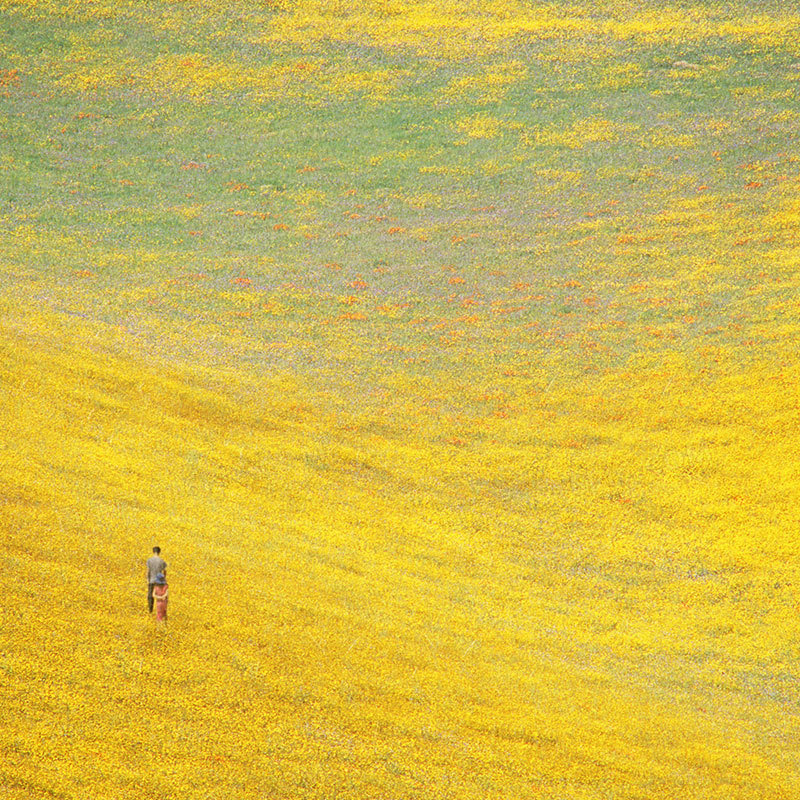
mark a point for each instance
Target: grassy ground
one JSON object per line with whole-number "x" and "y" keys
{"x": 449, "y": 353}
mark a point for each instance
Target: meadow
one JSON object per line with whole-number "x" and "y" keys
{"x": 449, "y": 352}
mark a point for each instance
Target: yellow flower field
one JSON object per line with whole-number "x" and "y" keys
{"x": 449, "y": 353}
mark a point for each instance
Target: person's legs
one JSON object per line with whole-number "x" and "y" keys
{"x": 150, "y": 596}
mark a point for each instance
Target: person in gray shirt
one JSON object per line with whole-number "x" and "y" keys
{"x": 155, "y": 565}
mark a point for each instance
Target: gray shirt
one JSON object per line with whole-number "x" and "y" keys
{"x": 155, "y": 564}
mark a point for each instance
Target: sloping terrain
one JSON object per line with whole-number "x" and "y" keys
{"x": 449, "y": 352}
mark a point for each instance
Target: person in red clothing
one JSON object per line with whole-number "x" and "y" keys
{"x": 161, "y": 595}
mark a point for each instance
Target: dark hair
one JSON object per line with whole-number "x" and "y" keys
{"x": 156, "y": 549}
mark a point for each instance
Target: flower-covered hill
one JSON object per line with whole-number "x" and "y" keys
{"x": 448, "y": 351}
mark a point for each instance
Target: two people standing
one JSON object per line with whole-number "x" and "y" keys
{"x": 157, "y": 589}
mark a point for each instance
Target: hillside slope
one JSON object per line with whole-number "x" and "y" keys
{"x": 365, "y": 612}
{"x": 448, "y": 350}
